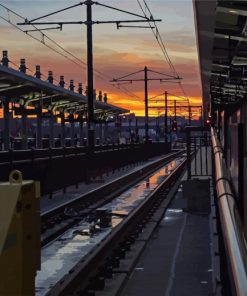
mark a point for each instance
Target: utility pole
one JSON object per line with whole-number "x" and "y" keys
{"x": 136, "y": 126}
{"x": 146, "y": 103}
{"x": 175, "y": 109}
{"x": 172, "y": 108}
{"x": 89, "y": 23}
{"x": 90, "y": 81}
{"x": 189, "y": 115}
{"x": 166, "y": 123}
{"x": 201, "y": 116}
{"x": 146, "y": 70}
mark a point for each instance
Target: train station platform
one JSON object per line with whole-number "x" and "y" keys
{"x": 198, "y": 246}
{"x": 170, "y": 231}
{"x": 177, "y": 260}
{"x": 179, "y": 256}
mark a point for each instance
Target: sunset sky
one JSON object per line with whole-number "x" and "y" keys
{"x": 116, "y": 52}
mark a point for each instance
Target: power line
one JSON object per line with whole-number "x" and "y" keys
{"x": 158, "y": 38}
{"x": 79, "y": 61}
{"x": 57, "y": 11}
{"x": 161, "y": 43}
{"x": 75, "y": 60}
{"x": 37, "y": 39}
{"x": 176, "y": 76}
{"x": 179, "y": 97}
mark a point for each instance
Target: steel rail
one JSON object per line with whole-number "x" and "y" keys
{"x": 232, "y": 229}
{"x": 98, "y": 197}
{"x": 88, "y": 267}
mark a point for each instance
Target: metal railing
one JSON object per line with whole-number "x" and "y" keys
{"x": 59, "y": 168}
{"x": 232, "y": 230}
{"x": 198, "y": 151}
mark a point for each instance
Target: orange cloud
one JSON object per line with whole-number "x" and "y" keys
{"x": 115, "y": 55}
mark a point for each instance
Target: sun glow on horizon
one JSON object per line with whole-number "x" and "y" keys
{"x": 116, "y": 53}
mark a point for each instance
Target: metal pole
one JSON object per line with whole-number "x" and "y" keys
{"x": 51, "y": 126}
{"x": 219, "y": 124}
{"x": 72, "y": 130}
{"x": 201, "y": 116}
{"x": 130, "y": 128}
{"x": 101, "y": 133}
{"x": 120, "y": 127}
{"x": 81, "y": 132}
{"x": 63, "y": 144}
{"x": 188, "y": 154}
{"x": 175, "y": 109}
{"x": 6, "y": 132}
{"x": 166, "y": 123}
{"x": 39, "y": 128}
{"x": 24, "y": 129}
{"x": 91, "y": 131}
{"x": 146, "y": 102}
{"x": 158, "y": 125}
{"x": 189, "y": 115}
{"x": 106, "y": 132}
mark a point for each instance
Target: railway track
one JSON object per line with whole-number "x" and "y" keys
{"x": 59, "y": 219}
{"x": 97, "y": 251}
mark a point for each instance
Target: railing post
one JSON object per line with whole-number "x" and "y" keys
{"x": 6, "y": 131}
{"x": 188, "y": 154}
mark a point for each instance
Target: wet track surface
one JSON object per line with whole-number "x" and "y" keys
{"x": 62, "y": 254}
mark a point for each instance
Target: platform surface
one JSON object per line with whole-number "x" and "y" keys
{"x": 178, "y": 258}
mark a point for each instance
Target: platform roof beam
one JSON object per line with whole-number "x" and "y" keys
{"x": 221, "y": 28}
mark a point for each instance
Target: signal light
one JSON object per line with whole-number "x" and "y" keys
{"x": 208, "y": 121}
{"x": 174, "y": 126}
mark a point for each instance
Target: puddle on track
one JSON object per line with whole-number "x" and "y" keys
{"x": 61, "y": 255}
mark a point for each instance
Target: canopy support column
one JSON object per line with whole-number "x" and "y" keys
{"x": 6, "y": 131}
{"x": 62, "y": 130}
{"x": 39, "y": 128}
{"x": 72, "y": 125}
{"x": 81, "y": 133}
{"x": 51, "y": 127}
{"x": 24, "y": 129}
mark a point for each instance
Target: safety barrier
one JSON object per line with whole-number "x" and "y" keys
{"x": 231, "y": 226}
{"x": 59, "y": 168}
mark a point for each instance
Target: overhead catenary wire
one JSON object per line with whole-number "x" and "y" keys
{"x": 94, "y": 22}
{"x": 128, "y": 75}
{"x": 57, "y": 11}
{"x": 176, "y": 76}
{"x": 78, "y": 63}
{"x": 69, "y": 53}
{"x": 97, "y": 22}
{"x": 166, "y": 53}
{"x": 160, "y": 42}
{"x": 179, "y": 97}
{"x": 37, "y": 39}
{"x": 65, "y": 53}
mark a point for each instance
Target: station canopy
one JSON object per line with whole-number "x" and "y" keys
{"x": 221, "y": 28}
{"x": 26, "y": 90}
